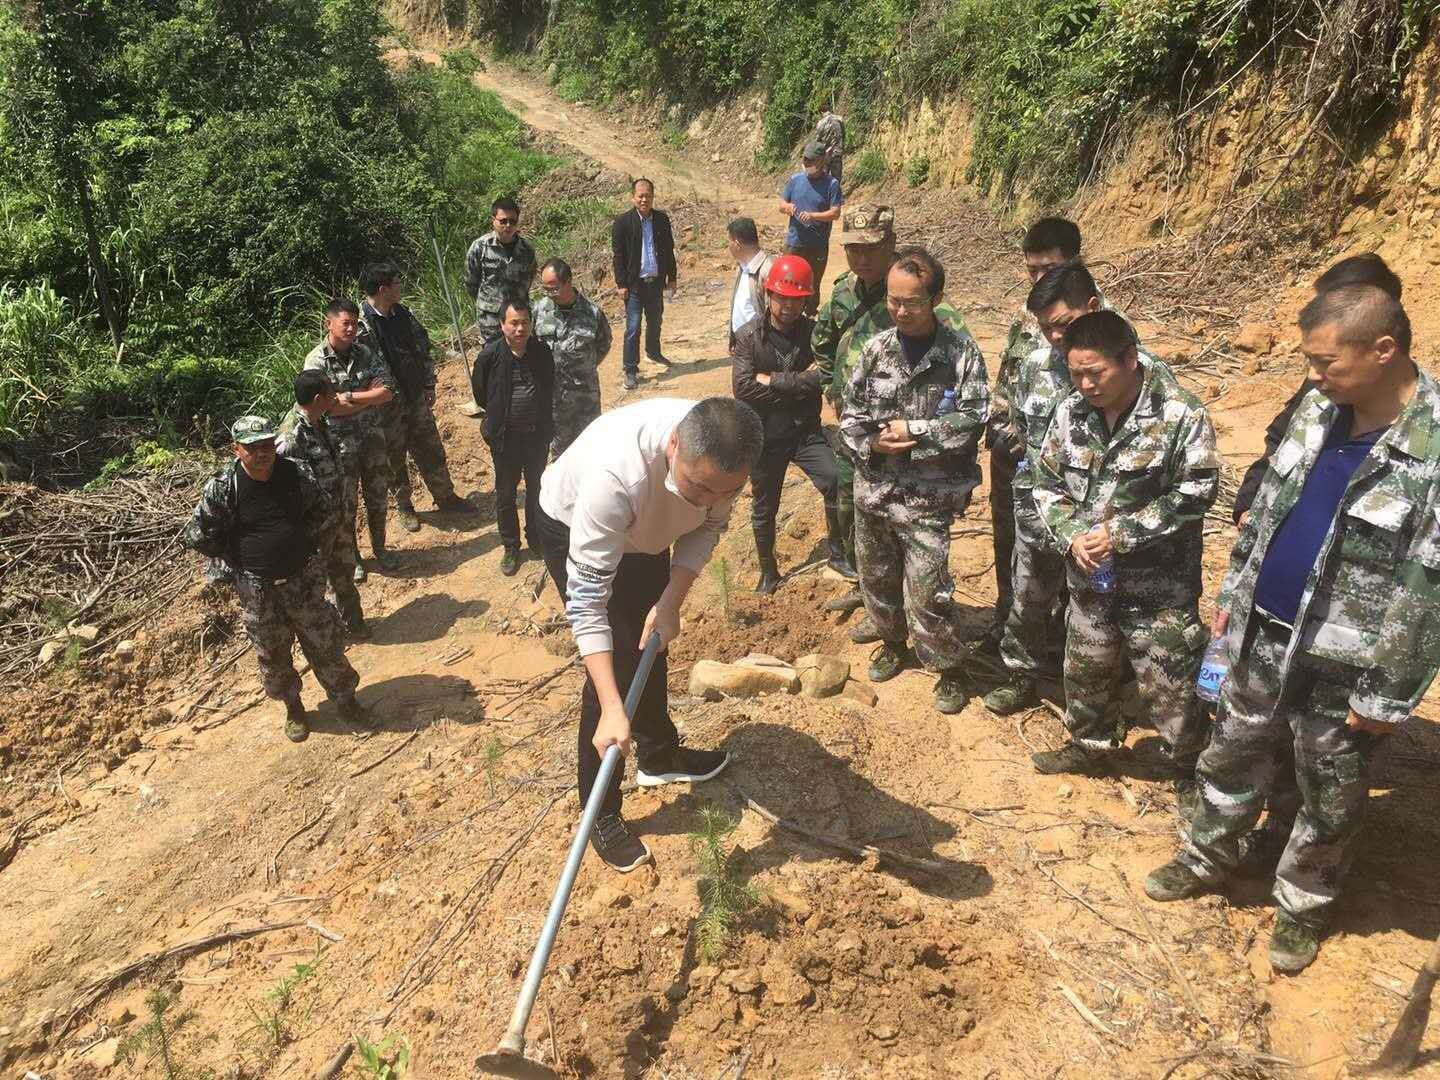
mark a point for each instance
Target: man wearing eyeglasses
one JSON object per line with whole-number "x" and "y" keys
{"x": 499, "y": 266}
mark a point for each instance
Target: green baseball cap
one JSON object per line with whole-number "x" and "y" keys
{"x": 814, "y": 150}
{"x": 252, "y": 429}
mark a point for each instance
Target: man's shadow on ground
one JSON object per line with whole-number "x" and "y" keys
{"x": 796, "y": 778}
{"x": 425, "y": 618}
{"x": 404, "y": 704}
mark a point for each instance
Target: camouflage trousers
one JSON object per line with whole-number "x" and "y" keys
{"x": 845, "y": 498}
{"x": 1164, "y": 645}
{"x": 1260, "y": 719}
{"x": 410, "y": 430}
{"x": 365, "y": 467}
{"x": 276, "y": 614}
{"x": 1039, "y": 581}
{"x": 336, "y": 556}
{"x": 906, "y": 585}
{"x": 577, "y": 402}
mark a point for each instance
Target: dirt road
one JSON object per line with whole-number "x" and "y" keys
{"x": 418, "y": 860}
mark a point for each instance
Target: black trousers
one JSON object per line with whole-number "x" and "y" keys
{"x": 814, "y": 456}
{"x": 522, "y": 454}
{"x": 1002, "y": 517}
{"x": 639, "y": 581}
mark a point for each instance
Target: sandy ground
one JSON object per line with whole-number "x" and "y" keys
{"x": 419, "y": 859}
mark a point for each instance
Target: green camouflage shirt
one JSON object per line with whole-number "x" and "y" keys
{"x": 938, "y": 475}
{"x": 580, "y": 338}
{"x": 1151, "y": 483}
{"x": 872, "y": 321}
{"x": 849, "y": 300}
{"x": 316, "y": 449}
{"x": 1042, "y": 382}
{"x": 1372, "y": 600}
{"x": 361, "y": 368}
{"x": 494, "y": 275}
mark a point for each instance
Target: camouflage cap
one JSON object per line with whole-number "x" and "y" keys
{"x": 252, "y": 429}
{"x": 867, "y": 223}
{"x": 814, "y": 150}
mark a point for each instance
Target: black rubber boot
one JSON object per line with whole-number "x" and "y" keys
{"x": 387, "y": 560}
{"x": 835, "y": 536}
{"x": 769, "y": 571}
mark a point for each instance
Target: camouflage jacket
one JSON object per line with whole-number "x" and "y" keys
{"x": 870, "y": 322}
{"x": 211, "y": 530}
{"x": 402, "y": 340}
{"x": 316, "y": 449}
{"x": 580, "y": 338}
{"x": 494, "y": 275}
{"x": 849, "y": 300}
{"x": 830, "y": 133}
{"x": 361, "y": 368}
{"x": 1372, "y": 600}
{"x": 938, "y": 475}
{"x": 1151, "y": 483}
{"x": 1041, "y": 384}
{"x": 1024, "y": 337}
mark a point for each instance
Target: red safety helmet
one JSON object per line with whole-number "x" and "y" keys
{"x": 790, "y": 276}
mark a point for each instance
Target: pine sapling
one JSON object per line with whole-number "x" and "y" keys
{"x": 494, "y": 751}
{"x": 724, "y": 895}
{"x": 720, "y": 568}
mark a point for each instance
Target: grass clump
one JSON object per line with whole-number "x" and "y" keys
{"x": 869, "y": 168}
{"x": 725, "y": 895}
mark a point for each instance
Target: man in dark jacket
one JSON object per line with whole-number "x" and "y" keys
{"x": 261, "y": 514}
{"x": 643, "y": 248}
{"x": 773, "y": 371}
{"x": 514, "y": 382}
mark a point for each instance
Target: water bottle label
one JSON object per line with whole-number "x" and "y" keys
{"x": 1207, "y": 686}
{"x": 1103, "y": 579}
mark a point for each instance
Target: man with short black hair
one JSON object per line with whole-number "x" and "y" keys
{"x": 630, "y": 515}
{"x": 364, "y": 383}
{"x": 752, "y": 266}
{"x": 260, "y": 515}
{"x": 913, "y": 415}
{"x": 642, "y": 246}
{"x": 306, "y": 439}
{"x": 499, "y": 266}
{"x": 391, "y": 329}
{"x": 773, "y": 370}
{"x": 1330, "y": 614}
{"x": 811, "y": 200}
{"x": 1047, "y": 244}
{"x": 578, "y": 334}
{"x": 1122, "y": 483}
{"x": 514, "y": 382}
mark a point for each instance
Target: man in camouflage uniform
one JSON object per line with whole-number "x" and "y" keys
{"x": 1047, "y": 244}
{"x": 260, "y": 514}
{"x": 391, "y": 329}
{"x": 305, "y": 438}
{"x": 913, "y": 416}
{"x": 363, "y": 382}
{"x": 499, "y": 266}
{"x": 830, "y": 133}
{"x": 1041, "y": 383}
{"x": 855, "y": 313}
{"x": 1330, "y": 613}
{"x": 1125, "y": 478}
{"x": 579, "y": 335}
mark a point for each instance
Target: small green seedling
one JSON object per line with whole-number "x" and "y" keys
{"x": 494, "y": 751}
{"x": 383, "y": 1060}
{"x": 155, "y": 1039}
{"x": 724, "y": 895}
{"x": 720, "y": 569}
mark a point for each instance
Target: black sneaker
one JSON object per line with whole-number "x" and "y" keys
{"x": 681, "y": 765}
{"x": 662, "y": 360}
{"x": 617, "y": 846}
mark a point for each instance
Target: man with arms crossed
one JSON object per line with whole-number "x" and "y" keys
{"x": 630, "y": 515}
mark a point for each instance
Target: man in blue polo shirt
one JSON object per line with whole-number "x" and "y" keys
{"x": 1330, "y": 614}
{"x": 811, "y": 200}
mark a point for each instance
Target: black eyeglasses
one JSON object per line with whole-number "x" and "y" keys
{"x": 507, "y": 221}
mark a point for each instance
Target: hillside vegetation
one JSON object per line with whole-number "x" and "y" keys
{"x": 183, "y": 183}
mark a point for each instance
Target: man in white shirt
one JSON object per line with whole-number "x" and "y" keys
{"x": 752, "y": 264}
{"x": 629, "y": 515}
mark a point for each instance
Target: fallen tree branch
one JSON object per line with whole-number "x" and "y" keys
{"x": 92, "y": 992}
{"x": 385, "y": 756}
{"x": 331, "y": 1068}
{"x": 272, "y": 872}
{"x": 1164, "y": 953}
{"x": 859, "y": 851}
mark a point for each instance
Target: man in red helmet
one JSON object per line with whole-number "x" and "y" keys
{"x": 773, "y": 370}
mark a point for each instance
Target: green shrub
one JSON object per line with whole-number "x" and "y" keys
{"x": 917, "y": 170}
{"x": 869, "y": 168}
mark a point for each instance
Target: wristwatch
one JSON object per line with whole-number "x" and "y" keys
{"x": 349, "y": 397}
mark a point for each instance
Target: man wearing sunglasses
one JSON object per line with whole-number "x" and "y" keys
{"x": 499, "y": 266}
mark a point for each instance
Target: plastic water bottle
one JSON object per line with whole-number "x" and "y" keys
{"x": 1103, "y": 579}
{"x": 1213, "y": 669}
{"x": 1022, "y": 468}
{"x": 947, "y": 404}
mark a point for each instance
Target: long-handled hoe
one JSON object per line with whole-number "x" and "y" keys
{"x": 1399, "y": 1053}
{"x": 508, "y": 1059}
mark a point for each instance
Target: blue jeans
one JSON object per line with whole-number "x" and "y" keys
{"x": 647, "y": 298}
